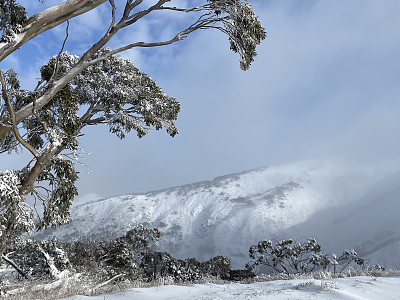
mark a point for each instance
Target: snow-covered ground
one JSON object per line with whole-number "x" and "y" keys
{"x": 384, "y": 288}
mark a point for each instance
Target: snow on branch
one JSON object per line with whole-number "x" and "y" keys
{"x": 15, "y": 214}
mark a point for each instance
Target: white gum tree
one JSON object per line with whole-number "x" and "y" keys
{"x": 96, "y": 87}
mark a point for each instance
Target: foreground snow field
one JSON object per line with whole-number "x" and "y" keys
{"x": 362, "y": 287}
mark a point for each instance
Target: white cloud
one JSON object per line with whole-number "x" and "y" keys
{"x": 12, "y": 62}
{"x": 90, "y": 25}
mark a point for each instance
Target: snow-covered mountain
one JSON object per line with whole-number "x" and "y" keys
{"x": 343, "y": 206}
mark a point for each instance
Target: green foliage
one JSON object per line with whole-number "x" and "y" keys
{"x": 58, "y": 121}
{"x": 124, "y": 98}
{"x": 61, "y": 176}
{"x": 243, "y": 28}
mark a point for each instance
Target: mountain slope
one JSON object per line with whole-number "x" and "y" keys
{"x": 370, "y": 224}
{"x": 225, "y": 216}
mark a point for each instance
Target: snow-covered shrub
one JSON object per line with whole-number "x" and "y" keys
{"x": 239, "y": 275}
{"x": 218, "y": 266}
{"x": 128, "y": 257}
{"x": 289, "y": 257}
{"x": 140, "y": 239}
{"x": 119, "y": 258}
{"x": 348, "y": 257}
{"x": 85, "y": 257}
{"x": 159, "y": 264}
{"x": 40, "y": 259}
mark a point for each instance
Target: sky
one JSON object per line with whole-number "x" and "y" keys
{"x": 325, "y": 84}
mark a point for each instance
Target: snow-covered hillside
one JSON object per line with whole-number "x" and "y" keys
{"x": 342, "y": 206}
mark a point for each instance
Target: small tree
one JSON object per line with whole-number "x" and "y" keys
{"x": 295, "y": 258}
{"x": 96, "y": 87}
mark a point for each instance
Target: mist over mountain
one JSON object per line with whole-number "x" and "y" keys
{"x": 342, "y": 205}
{"x": 370, "y": 224}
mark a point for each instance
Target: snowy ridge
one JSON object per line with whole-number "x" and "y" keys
{"x": 325, "y": 199}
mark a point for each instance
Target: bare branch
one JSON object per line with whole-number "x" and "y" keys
{"x": 129, "y": 7}
{"x": 88, "y": 114}
{"x": 7, "y": 98}
{"x": 179, "y": 37}
{"x": 134, "y": 18}
{"x": 59, "y": 53}
{"x": 199, "y": 24}
{"x": 113, "y": 8}
{"x": 186, "y": 10}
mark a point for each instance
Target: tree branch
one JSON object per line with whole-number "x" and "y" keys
{"x": 7, "y": 100}
{"x": 42, "y": 162}
{"x": 14, "y": 265}
{"x": 112, "y": 14}
{"x": 206, "y": 21}
{"x": 86, "y": 61}
{"x": 134, "y": 18}
{"x": 186, "y": 10}
{"x": 59, "y": 53}
{"x": 47, "y": 19}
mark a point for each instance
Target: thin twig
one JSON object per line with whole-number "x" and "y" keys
{"x": 59, "y": 53}
{"x": 185, "y": 10}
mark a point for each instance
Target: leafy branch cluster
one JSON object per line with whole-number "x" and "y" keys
{"x": 113, "y": 91}
{"x": 126, "y": 99}
{"x": 244, "y": 30}
{"x": 61, "y": 176}
{"x": 12, "y": 16}
{"x": 296, "y": 258}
